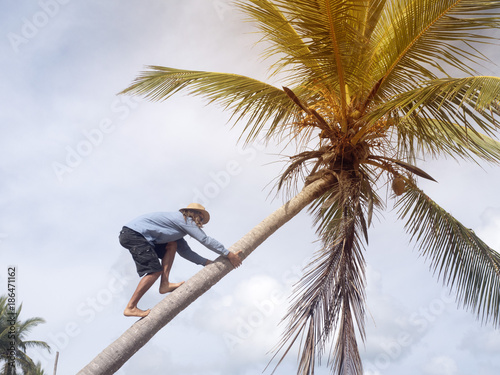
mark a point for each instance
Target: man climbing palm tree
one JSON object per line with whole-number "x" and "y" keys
{"x": 160, "y": 235}
{"x": 366, "y": 90}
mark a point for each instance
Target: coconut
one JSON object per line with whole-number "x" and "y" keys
{"x": 355, "y": 114}
{"x": 398, "y": 185}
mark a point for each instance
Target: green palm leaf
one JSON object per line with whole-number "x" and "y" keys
{"x": 417, "y": 38}
{"x": 460, "y": 258}
{"x": 317, "y": 42}
{"x": 428, "y": 117}
{"x": 247, "y": 99}
{"x": 283, "y": 40}
{"x": 419, "y": 135}
{"x": 478, "y": 93}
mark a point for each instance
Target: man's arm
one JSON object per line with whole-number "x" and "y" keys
{"x": 199, "y": 235}
{"x": 185, "y": 251}
{"x": 211, "y": 243}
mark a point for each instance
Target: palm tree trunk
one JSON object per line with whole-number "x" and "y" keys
{"x": 120, "y": 351}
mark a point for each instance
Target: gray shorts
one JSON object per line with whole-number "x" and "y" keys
{"x": 145, "y": 255}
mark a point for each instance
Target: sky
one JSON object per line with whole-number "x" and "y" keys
{"x": 78, "y": 161}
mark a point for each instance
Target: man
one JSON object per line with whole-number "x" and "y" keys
{"x": 160, "y": 235}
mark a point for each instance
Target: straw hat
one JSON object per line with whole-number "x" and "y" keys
{"x": 198, "y": 207}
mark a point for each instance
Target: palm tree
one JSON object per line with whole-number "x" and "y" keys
{"x": 366, "y": 92}
{"x": 9, "y": 319}
{"x": 37, "y": 370}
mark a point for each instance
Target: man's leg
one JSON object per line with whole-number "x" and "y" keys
{"x": 146, "y": 282}
{"x": 166, "y": 262}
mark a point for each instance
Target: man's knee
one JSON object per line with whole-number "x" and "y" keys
{"x": 154, "y": 274}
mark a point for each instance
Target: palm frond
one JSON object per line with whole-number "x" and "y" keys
{"x": 409, "y": 167}
{"x": 255, "y": 102}
{"x": 329, "y": 303}
{"x": 315, "y": 41}
{"x": 336, "y": 20}
{"x": 460, "y": 258}
{"x": 415, "y": 39}
{"x": 330, "y": 204}
{"x": 479, "y": 93}
{"x": 419, "y": 135}
{"x": 37, "y": 344}
{"x": 299, "y": 167}
{"x": 282, "y": 39}
{"x": 372, "y": 17}
{"x": 430, "y": 117}
{"x": 329, "y": 299}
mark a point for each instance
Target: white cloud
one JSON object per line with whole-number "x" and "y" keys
{"x": 246, "y": 318}
{"x": 484, "y": 342}
{"x": 441, "y": 365}
{"x": 392, "y": 329}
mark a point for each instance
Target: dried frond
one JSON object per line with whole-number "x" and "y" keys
{"x": 329, "y": 300}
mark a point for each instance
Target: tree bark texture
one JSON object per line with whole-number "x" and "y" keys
{"x": 121, "y": 350}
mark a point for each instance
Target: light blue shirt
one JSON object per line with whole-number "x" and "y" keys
{"x": 163, "y": 227}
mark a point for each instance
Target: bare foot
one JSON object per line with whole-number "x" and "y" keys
{"x": 136, "y": 312}
{"x": 169, "y": 287}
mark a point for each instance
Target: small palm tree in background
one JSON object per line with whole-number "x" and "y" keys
{"x": 366, "y": 92}
{"x": 37, "y": 370}
{"x": 18, "y": 335}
